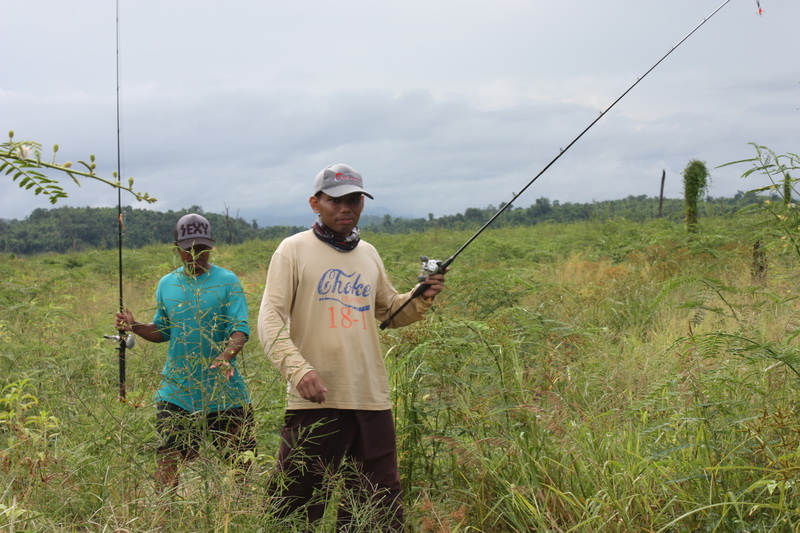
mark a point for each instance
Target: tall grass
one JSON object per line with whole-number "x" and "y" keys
{"x": 586, "y": 377}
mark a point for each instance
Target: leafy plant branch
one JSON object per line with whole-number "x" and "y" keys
{"x": 22, "y": 160}
{"x": 778, "y": 169}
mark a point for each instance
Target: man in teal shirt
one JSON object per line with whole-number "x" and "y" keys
{"x": 202, "y": 313}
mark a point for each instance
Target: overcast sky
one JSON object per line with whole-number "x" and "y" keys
{"x": 441, "y": 104}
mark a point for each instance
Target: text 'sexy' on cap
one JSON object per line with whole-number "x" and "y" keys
{"x": 192, "y": 230}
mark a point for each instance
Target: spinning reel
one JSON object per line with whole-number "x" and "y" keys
{"x": 128, "y": 338}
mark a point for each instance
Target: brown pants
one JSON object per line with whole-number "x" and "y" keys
{"x": 315, "y": 442}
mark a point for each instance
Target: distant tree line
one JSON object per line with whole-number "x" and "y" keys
{"x": 634, "y": 208}
{"x": 67, "y": 229}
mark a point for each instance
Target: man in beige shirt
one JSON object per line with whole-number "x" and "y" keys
{"x": 325, "y": 290}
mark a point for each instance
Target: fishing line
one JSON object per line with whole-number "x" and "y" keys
{"x": 430, "y": 267}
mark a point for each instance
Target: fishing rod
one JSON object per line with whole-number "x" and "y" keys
{"x": 124, "y": 339}
{"x": 432, "y": 266}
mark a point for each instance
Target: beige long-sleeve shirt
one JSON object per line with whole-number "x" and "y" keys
{"x": 319, "y": 312}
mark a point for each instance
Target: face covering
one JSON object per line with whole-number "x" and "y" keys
{"x": 342, "y": 244}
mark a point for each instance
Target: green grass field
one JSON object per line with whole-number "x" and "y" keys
{"x": 606, "y": 376}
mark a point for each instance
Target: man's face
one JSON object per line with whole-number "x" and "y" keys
{"x": 195, "y": 258}
{"x": 340, "y": 214}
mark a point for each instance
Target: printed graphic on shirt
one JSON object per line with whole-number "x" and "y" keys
{"x": 347, "y": 289}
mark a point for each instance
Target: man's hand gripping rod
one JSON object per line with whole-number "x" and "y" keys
{"x": 430, "y": 267}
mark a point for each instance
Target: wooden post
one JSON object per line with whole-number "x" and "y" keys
{"x": 661, "y": 196}
{"x": 759, "y": 272}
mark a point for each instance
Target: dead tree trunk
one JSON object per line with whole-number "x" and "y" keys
{"x": 229, "y": 223}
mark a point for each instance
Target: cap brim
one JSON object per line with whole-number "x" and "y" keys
{"x": 188, "y": 243}
{"x": 342, "y": 190}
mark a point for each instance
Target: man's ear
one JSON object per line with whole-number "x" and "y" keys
{"x": 314, "y": 203}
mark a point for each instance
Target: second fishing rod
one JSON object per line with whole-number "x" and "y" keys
{"x": 432, "y": 266}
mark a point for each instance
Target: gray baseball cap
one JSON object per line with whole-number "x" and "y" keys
{"x": 339, "y": 180}
{"x": 193, "y": 229}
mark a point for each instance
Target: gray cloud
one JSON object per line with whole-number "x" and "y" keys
{"x": 442, "y": 106}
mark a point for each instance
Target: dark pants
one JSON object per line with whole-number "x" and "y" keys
{"x": 314, "y": 444}
{"x": 231, "y": 431}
